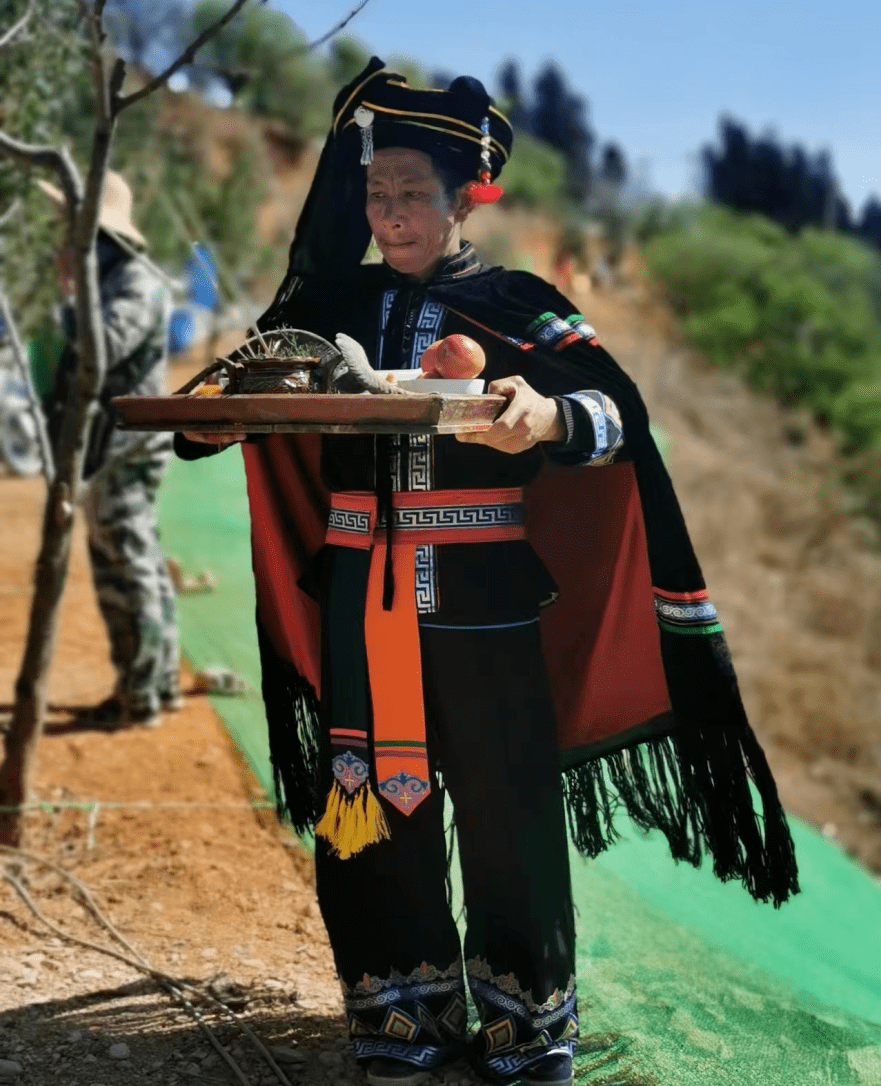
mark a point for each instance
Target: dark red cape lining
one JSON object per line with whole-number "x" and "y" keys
{"x": 601, "y": 637}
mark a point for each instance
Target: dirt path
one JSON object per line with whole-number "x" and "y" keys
{"x": 195, "y": 877}
{"x": 163, "y": 826}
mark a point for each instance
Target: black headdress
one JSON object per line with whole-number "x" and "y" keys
{"x": 459, "y": 128}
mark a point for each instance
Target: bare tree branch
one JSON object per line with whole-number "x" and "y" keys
{"x": 24, "y": 372}
{"x": 339, "y": 26}
{"x": 9, "y": 213}
{"x": 95, "y": 31}
{"x": 57, "y": 159}
{"x": 17, "y": 28}
{"x": 124, "y": 101}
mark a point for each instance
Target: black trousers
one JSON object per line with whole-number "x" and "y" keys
{"x": 491, "y": 742}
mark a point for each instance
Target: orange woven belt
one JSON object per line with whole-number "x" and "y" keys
{"x": 392, "y": 636}
{"x": 428, "y": 516}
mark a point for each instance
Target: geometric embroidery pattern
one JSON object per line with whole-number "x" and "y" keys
{"x": 357, "y": 1028}
{"x": 454, "y": 1015}
{"x": 414, "y": 1018}
{"x": 419, "y": 474}
{"x": 570, "y": 1029}
{"x": 504, "y": 514}
{"x": 419, "y": 471}
{"x": 479, "y": 969}
{"x": 427, "y": 1021}
{"x": 428, "y": 325}
{"x": 500, "y": 1034}
{"x": 425, "y": 980}
{"x": 349, "y": 520}
{"x": 426, "y": 579}
{"x": 516, "y": 1030}
{"x": 425, "y": 1056}
{"x": 386, "y": 308}
{"x": 399, "y": 1025}
{"x": 686, "y": 612}
{"x": 420, "y": 446}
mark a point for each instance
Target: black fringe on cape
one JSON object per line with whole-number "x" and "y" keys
{"x": 662, "y": 785}
{"x": 694, "y": 785}
{"x": 293, "y": 717}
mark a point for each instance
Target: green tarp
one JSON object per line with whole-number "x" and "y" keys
{"x": 682, "y": 981}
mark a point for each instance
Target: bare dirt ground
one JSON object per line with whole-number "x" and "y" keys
{"x": 210, "y": 890}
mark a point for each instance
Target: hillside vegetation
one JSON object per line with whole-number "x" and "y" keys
{"x": 797, "y": 315}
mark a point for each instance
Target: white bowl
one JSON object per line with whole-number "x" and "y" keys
{"x": 450, "y": 386}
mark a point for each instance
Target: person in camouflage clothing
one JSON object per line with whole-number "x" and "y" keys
{"x": 122, "y": 471}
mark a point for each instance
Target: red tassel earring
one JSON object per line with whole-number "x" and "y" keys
{"x": 482, "y": 191}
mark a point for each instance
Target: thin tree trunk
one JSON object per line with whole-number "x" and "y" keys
{"x": 31, "y": 688}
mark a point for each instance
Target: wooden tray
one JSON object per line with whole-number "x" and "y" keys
{"x": 311, "y": 413}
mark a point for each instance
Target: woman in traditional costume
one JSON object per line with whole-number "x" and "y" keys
{"x": 515, "y": 618}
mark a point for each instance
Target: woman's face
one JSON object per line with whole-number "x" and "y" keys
{"x": 413, "y": 222}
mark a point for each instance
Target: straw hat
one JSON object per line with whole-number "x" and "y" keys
{"x": 115, "y": 212}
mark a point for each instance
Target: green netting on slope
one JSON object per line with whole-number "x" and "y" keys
{"x": 682, "y": 981}
{"x": 203, "y": 512}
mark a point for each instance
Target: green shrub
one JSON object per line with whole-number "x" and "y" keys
{"x": 798, "y": 316}
{"x": 535, "y": 174}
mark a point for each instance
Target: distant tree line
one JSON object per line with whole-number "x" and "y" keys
{"x": 261, "y": 60}
{"x": 556, "y": 116}
{"x": 787, "y": 184}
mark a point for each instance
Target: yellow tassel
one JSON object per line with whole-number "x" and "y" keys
{"x": 351, "y": 823}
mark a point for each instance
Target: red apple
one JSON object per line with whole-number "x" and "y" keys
{"x": 455, "y": 357}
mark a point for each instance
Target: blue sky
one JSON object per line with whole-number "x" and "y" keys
{"x": 657, "y": 77}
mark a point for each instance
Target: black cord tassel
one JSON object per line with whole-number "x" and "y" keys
{"x": 384, "y": 490}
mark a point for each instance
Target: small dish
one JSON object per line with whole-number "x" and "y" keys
{"x": 448, "y": 386}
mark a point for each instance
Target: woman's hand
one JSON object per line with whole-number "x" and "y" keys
{"x": 528, "y": 419}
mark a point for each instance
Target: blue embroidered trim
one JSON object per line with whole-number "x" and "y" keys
{"x": 425, "y": 1056}
{"x": 388, "y": 299}
{"x": 428, "y": 325}
{"x": 579, "y": 324}
{"x": 502, "y": 1001}
{"x": 686, "y": 613}
{"x": 516, "y": 1062}
{"x": 605, "y": 420}
{"x": 551, "y": 331}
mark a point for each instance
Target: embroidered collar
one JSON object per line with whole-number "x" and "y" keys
{"x": 451, "y": 268}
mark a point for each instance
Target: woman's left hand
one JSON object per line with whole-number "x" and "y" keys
{"x": 528, "y": 419}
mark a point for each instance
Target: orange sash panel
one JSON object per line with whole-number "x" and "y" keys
{"x": 395, "y": 669}
{"x": 392, "y": 636}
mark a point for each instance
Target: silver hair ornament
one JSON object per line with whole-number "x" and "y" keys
{"x": 364, "y": 120}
